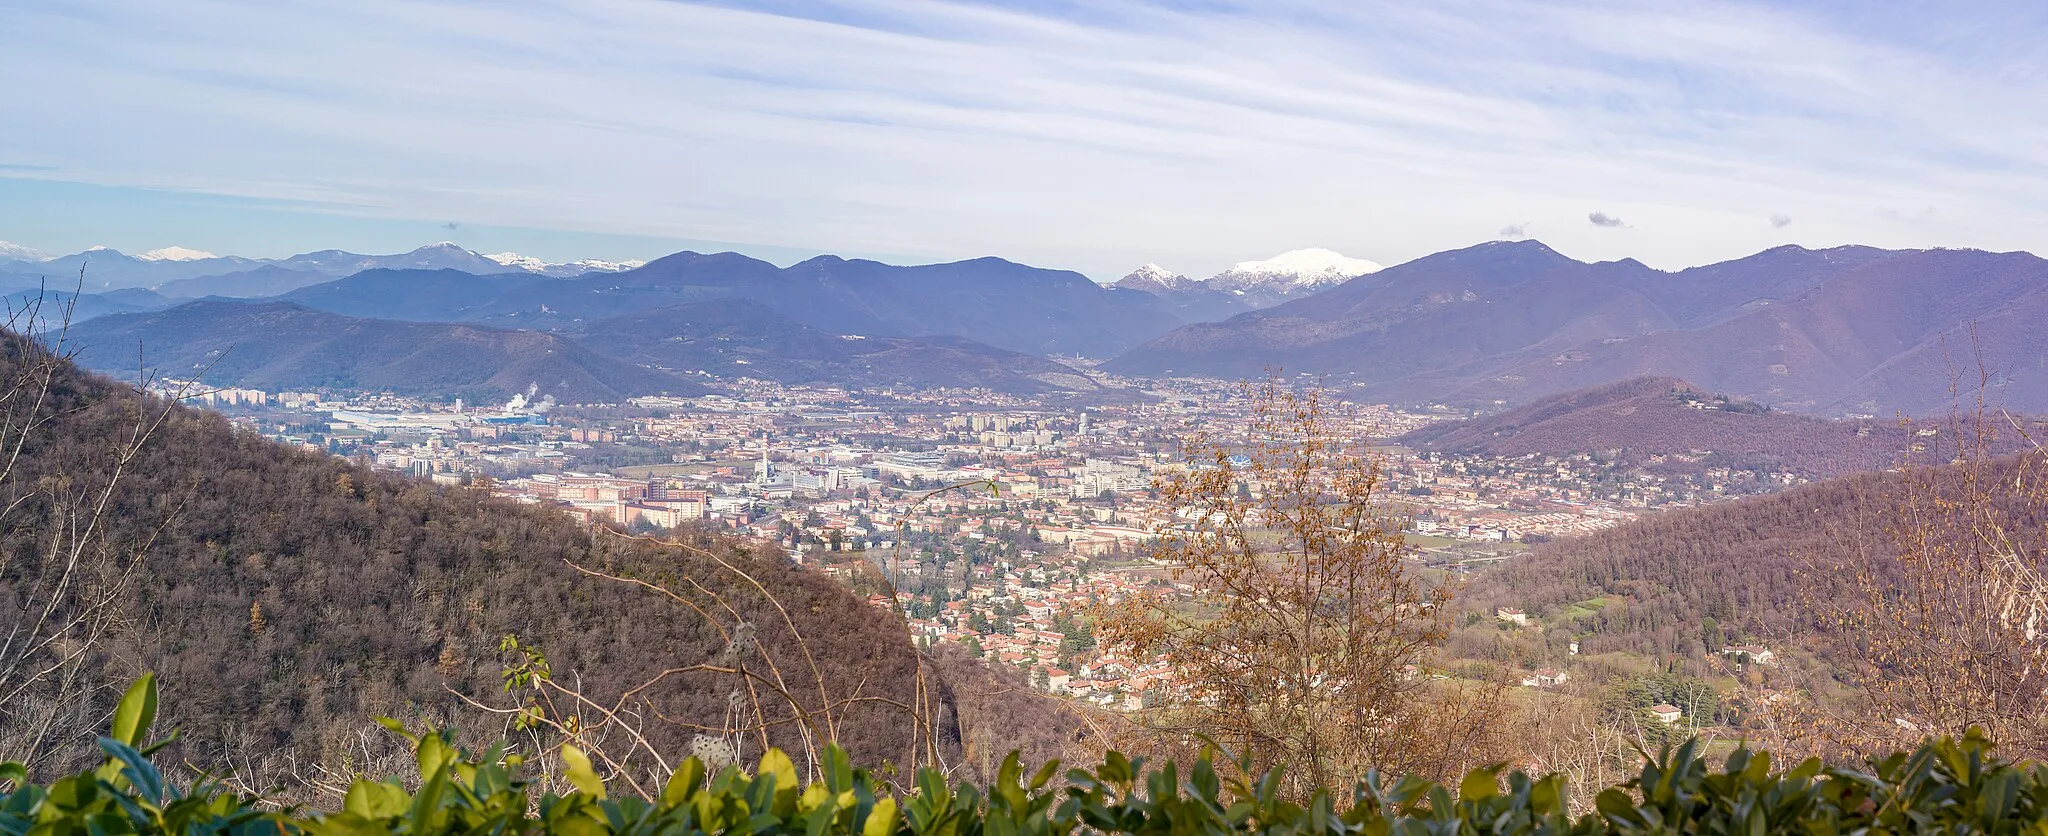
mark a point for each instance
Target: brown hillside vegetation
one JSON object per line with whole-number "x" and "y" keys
{"x": 1647, "y": 416}
{"x": 1918, "y": 594}
{"x": 1743, "y": 563}
{"x": 287, "y": 597}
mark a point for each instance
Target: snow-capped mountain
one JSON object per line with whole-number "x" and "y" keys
{"x": 1250, "y": 285}
{"x": 523, "y": 262}
{"x": 175, "y": 254}
{"x": 445, "y": 255}
{"x": 565, "y": 269}
{"x": 1294, "y": 271}
{"x": 104, "y": 268}
{"x": 1154, "y": 277}
{"x": 17, "y": 252}
{"x": 1192, "y": 299}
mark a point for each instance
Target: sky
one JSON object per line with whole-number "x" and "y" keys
{"x": 1086, "y": 135}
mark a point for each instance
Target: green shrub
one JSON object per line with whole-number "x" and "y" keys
{"x": 1946, "y": 786}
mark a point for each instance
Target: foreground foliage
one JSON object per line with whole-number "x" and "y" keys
{"x": 1947, "y": 786}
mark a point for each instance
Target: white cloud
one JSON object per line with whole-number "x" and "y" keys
{"x": 1142, "y": 133}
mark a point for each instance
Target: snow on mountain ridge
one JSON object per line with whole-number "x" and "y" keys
{"x": 586, "y": 265}
{"x": 524, "y": 262}
{"x": 1294, "y": 270}
{"x": 17, "y": 252}
{"x": 1259, "y": 284}
{"x": 175, "y": 253}
{"x": 1153, "y": 271}
{"x": 1155, "y": 277}
{"x": 600, "y": 264}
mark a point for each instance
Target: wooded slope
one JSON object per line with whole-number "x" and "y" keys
{"x": 287, "y": 597}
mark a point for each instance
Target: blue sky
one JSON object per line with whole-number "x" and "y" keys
{"x": 1087, "y": 135}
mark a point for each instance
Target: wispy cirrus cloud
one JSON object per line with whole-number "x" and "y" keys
{"x": 1094, "y": 136}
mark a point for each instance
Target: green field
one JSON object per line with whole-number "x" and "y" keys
{"x": 1586, "y": 608}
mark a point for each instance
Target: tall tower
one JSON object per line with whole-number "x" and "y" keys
{"x": 764, "y": 472}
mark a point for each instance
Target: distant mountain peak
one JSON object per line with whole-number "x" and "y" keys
{"x": 17, "y": 252}
{"x": 580, "y": 266}
{"x": 1153, "y": 271}
{"x": 1293, "y": 270}
{"x": 1152, "y": 277}
{"x": 1517, "y": 244}
{"x": 510, "y": 259}
{"x": 1249, "y": 285}
{"x": 175, "y": 253}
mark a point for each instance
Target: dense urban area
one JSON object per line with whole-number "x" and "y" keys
{"x": 991, "y": 520}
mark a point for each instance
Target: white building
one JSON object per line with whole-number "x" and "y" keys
{"x": 911, "y": 465}
{"x": 1098, "y": 475}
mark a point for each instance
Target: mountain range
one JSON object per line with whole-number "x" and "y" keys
{"x": 988, "y": 300}
{"x": 604, "y": 336}
{"x": 282, "y": 346}
{"x": 1191, "y": 299}
{"x": 184, "y": 273}
{"x": 987, "y": 323}
{"x": 1843, "y": 331}
{"x": 731, "y": 338}
{"x": 1249, "y": 285}
{"x": 1847, "y": 330}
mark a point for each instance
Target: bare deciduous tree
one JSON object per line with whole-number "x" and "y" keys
{"x": 1305, "y": 638}
{"x": 62, "y": 579}
{"x": 1950, "y": 631}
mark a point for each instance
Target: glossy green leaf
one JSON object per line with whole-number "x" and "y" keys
{"x": 136, "y": 711}
{"x": 375, "y": 800}
{"x": 881, "y": 819}
{"x": 577, "y": 768}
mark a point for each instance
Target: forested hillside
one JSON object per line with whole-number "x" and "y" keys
{"x": 1682, "y": 583}
{"x": 734, "y": 338}
{"x": 287, "y": 597}
{"x": 1000, "y": 303}
{"x": 1646, "y": 417}
{"x": 281, "y": 345}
